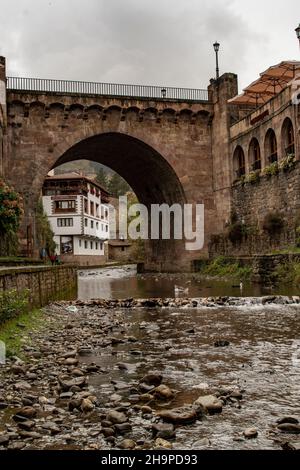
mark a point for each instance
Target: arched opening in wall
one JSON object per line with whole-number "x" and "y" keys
{"x": 239, "y": 163}
{"x": 288, "y": 138}
{"x": 254, "y": 155}
{"x": 147, "y": 172}
{"x": 271, "y": 147}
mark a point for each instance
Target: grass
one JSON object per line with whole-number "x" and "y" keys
{"x": 223, "y": 268}
{"x": 16, "y": 332}
{"x": 288, "y": 273}
{"x": 287, "y": 251}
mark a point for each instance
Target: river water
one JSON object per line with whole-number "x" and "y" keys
{"x": 262, "y": 359}
{"x": 124, "y": 282}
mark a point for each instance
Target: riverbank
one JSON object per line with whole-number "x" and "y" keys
{"x": 145, "y": 378}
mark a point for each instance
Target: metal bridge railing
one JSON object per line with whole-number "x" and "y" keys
{"x": 106, "y": 89}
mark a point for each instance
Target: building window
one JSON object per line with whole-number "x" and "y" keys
{"x": 92, "y": 206}
{"x": 106, "y": 228}
{"x": 97, "y": 225}
{"x": 101, "y": 246}
{"x": 65, "y": 222}
{"x": 86, "y": 206}
{"x": 92, "y": 224}
{"x": 65, "y": 206}
{"x": 102, "y": 227}
{"x": 92, "y": 245}
{"x": 106, "y": 213}
{"x": 85, "y": 222}
{"x": 80, "y": 243}
{"x": 271, "y": 146}
{"x": 85, "y": 244}
{"x": 288, "y": 137}
{"x": 123, "y": 248}
{"x": 96, "y": 246}
{"x": 254, "y": 155}
{"x": 97, "y": 210}
{"x": 239, "y": 162}
{"x": 66, "y": 245}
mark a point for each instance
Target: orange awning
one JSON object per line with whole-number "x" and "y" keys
{"x": 270, "y": 83}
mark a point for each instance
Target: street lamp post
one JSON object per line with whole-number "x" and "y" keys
{"x": 298, "y": 33}
{"x": 216, "y": 48}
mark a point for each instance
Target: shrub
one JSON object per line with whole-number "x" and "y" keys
{"x": 13, "y": 304}
{"x": 273, "y": 223}
{"x": 271, "y": 170}
{"x": 10, "y": 214}
{"x": 288, "y": 163}
{"x": 253, "y": 177}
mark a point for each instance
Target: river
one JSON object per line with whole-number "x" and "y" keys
{"x": 84, "y": 374}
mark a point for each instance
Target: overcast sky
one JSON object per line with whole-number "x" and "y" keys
{"x": 159, "y": 42}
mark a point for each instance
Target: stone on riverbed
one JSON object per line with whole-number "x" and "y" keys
{"x": 162, "y": 444}
{"x": 163, "y": 431}
{"x": 184, "y": 415}
{"x": 163, "y": 392}
{"x": 209, "y": 404}
{"x": 127, "y": 444}
{"x": 116, "y": 417}
{"x": 152, "y": 379}
{"x": 27, "y": 412}
{"x": 87, "y": 406}
{"x": 66, "y": 383}
{"x": 289, "y": 428}
{"x": 251, "y": 433}
{"x": 288, "y": 420}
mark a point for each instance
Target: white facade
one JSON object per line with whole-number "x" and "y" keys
{"x": 78, "y": 217}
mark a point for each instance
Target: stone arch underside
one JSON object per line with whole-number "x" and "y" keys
{"x": 152, "y": 179}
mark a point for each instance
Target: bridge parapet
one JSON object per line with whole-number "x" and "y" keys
{"x": 107, "y": 89}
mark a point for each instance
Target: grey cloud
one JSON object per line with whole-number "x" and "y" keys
{"x": 139, "y": 41}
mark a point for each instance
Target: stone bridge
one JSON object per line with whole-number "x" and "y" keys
{"x": 170, "y": 144}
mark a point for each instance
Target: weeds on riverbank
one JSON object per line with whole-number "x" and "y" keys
{"x": 225, "y": 268}
{"x": 16, "y": 332}
{"x": 288, "y": 273}
{"x": 13, "y": 304}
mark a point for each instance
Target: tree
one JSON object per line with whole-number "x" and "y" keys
{"x": 117, "y": 186}
{"x": 10, "y": 215}
{"x": 43, "y": 230}
{"x": 102, "y": 179}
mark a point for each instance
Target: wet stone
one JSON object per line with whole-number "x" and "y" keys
{"x": 127, "y": 444}
{"x": 184, "y": 416}
{"x": 289, "y": 428}
{"x": 288, "y": 420}
{"x": 251, "y": 433}
{"x": 116, "y": 417}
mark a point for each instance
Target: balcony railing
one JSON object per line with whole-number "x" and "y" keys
{"x": 106, "y": 89}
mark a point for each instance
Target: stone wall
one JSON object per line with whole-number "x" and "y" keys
{"x": 252, "y": 203}
{"x": 45, "y": 283}
{"x": 84, "y": 260}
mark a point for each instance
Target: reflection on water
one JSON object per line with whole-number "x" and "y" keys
{"x": 124, "y": 282}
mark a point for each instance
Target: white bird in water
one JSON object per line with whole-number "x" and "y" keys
{"x": 241, "y": 286}
{"x": 181, "y": 290}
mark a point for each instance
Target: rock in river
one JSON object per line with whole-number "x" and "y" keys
{"x": 163, "y": 392}
{"x": 289, "y": 428}
{"x": 116, "y": 417}
{"x": 163, "y": 431}
{"x": 27, "y": 412}
{"x": 209, "y": 404}
{"x": 251, "y": 433}
{"x": 184, "y": 415}
{"x": 152, "y": 379}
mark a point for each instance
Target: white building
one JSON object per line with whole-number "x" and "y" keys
{"x": 77, "y": 209}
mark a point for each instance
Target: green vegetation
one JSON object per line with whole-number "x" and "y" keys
{"x": 273, "y": 223}
{"x": 13, "y": 304}
{"x": 288, "y": 163}
{"x": 43, "y": 230}
{"x": 10, "y": 332}
{"x": 288, "y": 273}
{"x": 102, "y": 178}
{"x": 10, "y": 214}
{"x": 226, "y": 268}
{"x": 117, "y": 186}
{"x": 253, "y": 177}
{"x": 271, "y": 170}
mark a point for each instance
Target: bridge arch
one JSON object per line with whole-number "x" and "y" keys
{"x": 149, "y": 174}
